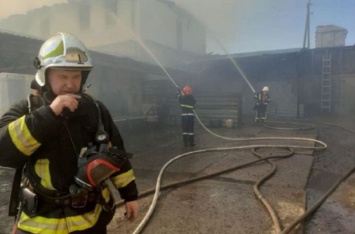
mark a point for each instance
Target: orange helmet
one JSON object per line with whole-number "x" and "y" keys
{"x": 187, "y": 90}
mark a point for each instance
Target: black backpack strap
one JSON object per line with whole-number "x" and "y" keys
{"x": 14, "y": 199}
{"x": 101, "y": 136}
{"x": 34, "y": 102}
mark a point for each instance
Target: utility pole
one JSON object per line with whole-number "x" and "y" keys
{"x": 307, "y": 27}
{"x": 300, "y": 73}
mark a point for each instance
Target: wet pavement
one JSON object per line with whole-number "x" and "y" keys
{"x": 226, "y": 203}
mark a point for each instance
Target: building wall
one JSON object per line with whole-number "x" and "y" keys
{"x": 283, "y": 100}
{"x": 344, "y": 95}
{"x": 122, "y": 94}
{"x": 115, "y": 81}
{"x": 121, "y": 28}
{"x": 180, "y": 31}
{"x": 13, "y": 87}
{"x": 342, "y": 75}
{"x": 294, "y": 78}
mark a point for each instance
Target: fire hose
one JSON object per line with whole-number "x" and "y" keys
{"x": 253, "y": 147}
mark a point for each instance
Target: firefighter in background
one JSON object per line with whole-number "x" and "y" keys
{"x": 68, "y": 145}
{"x": 262, "y": 100}
{"x": 187, "y": 103}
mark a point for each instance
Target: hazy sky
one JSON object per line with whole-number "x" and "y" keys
{"x": 254, "y": 25}
{"x": 246, "y": 25}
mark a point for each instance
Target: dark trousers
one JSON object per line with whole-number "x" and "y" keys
{"x": 260, "y": 112}
{"x": 188, "y": 123}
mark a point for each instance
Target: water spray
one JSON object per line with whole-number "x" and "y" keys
{"x": 236, "y": 65}
{"x": 138, "y": 39}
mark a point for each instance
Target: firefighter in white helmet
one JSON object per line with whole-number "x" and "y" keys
{"x": 262, "y": 100}
{"x": 70, "y": 146}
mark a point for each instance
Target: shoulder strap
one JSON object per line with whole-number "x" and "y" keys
{"x": 101, "y": 135}
{"x": 15, "y": 191}
{"x": 34, "y": 102}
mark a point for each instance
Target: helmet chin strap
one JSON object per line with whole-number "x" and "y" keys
{"x": 84, "y": 75}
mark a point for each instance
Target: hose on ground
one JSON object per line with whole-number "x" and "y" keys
{"x": 158, "y": 183}
{"x": 258, "y": 194}
{"x": 318, "y": 204}
{"x": 272, "y": 213}
{"x": 321, "y": 148}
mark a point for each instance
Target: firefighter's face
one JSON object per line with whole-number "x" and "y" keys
{"x": 64, "y": 81}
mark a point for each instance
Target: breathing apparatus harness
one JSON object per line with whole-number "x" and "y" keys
{"x": 96, "y": 164}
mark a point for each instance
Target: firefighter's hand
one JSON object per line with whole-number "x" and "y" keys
{"x": 131, "y": 210}
{"x": 61, "y": 102}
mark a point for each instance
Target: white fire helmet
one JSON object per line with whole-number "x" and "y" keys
{"x": 266, "y": 89}
{"x": 62, "y": 51}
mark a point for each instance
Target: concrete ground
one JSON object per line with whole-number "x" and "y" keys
{"x": 227, "y": 203}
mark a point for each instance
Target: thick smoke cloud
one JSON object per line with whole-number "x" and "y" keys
{"x": 244, "y": 26}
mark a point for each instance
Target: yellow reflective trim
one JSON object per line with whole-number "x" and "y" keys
{"x": 22, "y": 138}
{"x": 40, "y": 224}
{"x": 59, "y": 50}
{"x": 123, "y": 179}
{"x": 85, "y": 221}
{"x": 42, "y": 170}
{"x": 106, "y": 194}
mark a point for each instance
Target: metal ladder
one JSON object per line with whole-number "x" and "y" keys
{"x": 326, "y": 88}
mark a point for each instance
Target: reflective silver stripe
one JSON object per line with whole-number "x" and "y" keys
{"x": 187, "y": 106}
{"x": 63, "y": 225}
{"x": 185, "y": 114}
{"x": 39, "y": 224}
{"x": 22, "y": 137}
